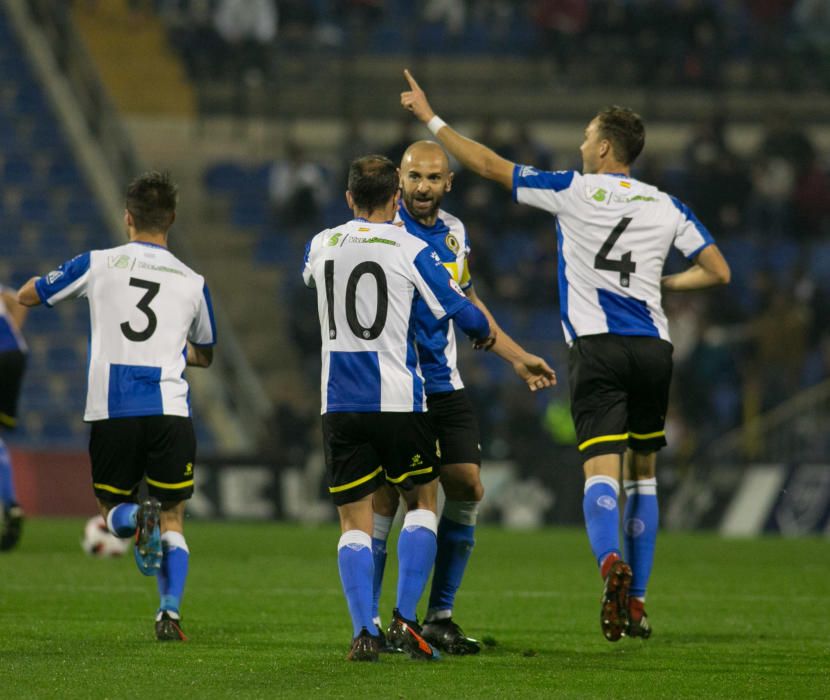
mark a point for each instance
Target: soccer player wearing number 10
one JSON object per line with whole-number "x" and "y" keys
{"x": 369, "y": 275}
{"x": 150, "y": 315}
{"x": 613, "y": 234}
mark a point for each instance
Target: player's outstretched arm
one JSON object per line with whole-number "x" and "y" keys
{"x": 531, "y": 368}
{"x": 199, "y": 355}
{"x": 471, "y": 154}
{"x": 710, "y": 269}
{"x": 27, "y": 295}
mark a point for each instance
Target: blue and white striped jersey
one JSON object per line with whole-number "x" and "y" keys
{"x": 10, "y": 336}
{"x": 613, "y": 233}
{"x": 369, "y": 278}
{"x": 436, "y": 338}
{"x": 144, "y": 304}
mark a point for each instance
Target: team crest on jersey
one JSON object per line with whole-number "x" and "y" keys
{"x": 452, "y": 243}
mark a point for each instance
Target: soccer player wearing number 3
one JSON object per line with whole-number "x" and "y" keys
{"x": 150, "y": 315}
{"x": 370, "y": 275}
{"x": 613, "y": 235}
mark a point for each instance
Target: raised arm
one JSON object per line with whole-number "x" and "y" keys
{"x": 531, "y": 368}
{"x": 710, "y": 269}
{"x": 27, "y": 295}
{"x": 471, "y": 154}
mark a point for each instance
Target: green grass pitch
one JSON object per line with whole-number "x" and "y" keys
{"x": 266, "y": 618}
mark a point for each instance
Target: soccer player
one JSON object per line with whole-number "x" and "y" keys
{"x": 614, "y": 233}
{"x": 150, "y": 316}
{"x": 369, "y": 275}
{"x": 12, "y": 365}
{"x": 425, "y": 179}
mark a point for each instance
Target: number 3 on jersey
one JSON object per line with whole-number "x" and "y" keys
{"x": 364, "y": 268}
{"x": 144, "y": 306}
{"x": 624, "y": 265}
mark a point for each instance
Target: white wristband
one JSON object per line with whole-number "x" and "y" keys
{"x": 435, "y": 124}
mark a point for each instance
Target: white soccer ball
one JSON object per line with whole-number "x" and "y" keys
{"x": 98, "y": 541}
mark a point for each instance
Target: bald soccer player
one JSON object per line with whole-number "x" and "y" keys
{"x": 425, "y": 179}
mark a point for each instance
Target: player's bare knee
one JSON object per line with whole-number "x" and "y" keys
{"x": 172, "y": 516}
{"x": 462, "y": 482}
{"x": 642, "y": 465}
{"x": 385, "y": 501}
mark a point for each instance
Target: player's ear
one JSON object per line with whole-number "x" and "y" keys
{"x": 448, "y": 183}
{"x": 129, "y": 222}
{"x": 604, "y": 148}
{"x": 349, "y": 199}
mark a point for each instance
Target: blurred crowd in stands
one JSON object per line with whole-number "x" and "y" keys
{"x": 648, "y": 42}
{"x": 739, "y": 350}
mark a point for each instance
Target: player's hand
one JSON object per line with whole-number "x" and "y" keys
{"x": 535, "y": 371}
{"x": 485, "y": 343}
{"x": 415, "y": 99}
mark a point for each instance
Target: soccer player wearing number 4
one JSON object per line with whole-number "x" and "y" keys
{"x": 150, "y": 316}
{"x": 614, "y": 233}
{"x": 369, "y": 275}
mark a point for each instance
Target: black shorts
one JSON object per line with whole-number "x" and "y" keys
{"x": 454, "y": 423}
{"x": 161, "y": 449}
{"x": 12, "y": 366}
{"x": 365, "y": 450}
{"x": 619, "y": 389}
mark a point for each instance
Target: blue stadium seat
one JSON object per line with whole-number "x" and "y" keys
{"x": 224, "y": 177}
{"x": 17, "y": 170}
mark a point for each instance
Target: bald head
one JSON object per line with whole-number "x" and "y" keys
{"x": 425, "y": 179}
{"x": 425, "y": 152}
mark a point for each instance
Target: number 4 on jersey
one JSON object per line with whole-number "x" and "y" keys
{"x": 624, "y": 265}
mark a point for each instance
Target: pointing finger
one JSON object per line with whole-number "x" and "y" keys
{"x": 412, "y": 83}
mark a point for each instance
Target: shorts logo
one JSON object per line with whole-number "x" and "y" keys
{"x": 607, "y": 502}
{"x": 634, "y": 527}
{"x": 188, "y": 469}
{"x": 417, "y": 461}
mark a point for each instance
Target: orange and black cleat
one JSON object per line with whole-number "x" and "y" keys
{"x": 405, "y": 635}
{"x": 365, "y": 647}
{"x": 613, "y": 615}
{"x": 169, "y": 628}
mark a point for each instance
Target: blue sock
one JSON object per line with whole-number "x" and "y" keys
{"x": 173, "y": 572}
{"x": 416, "y": 556}
{"x": 640, "y": 531}
{"x": 7, "y": 492}
{"x": 354, "y": 559}
{"x": 121, "y": 519}
{"x": 456, "y": 532}
{"x": 602, "y": 518}
{"x": 380, "y": 533}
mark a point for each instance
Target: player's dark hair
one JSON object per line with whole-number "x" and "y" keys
{"x": 373, "y": 181}
{"x": 624, "y": 128}
{"x": 151, "y": 199}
